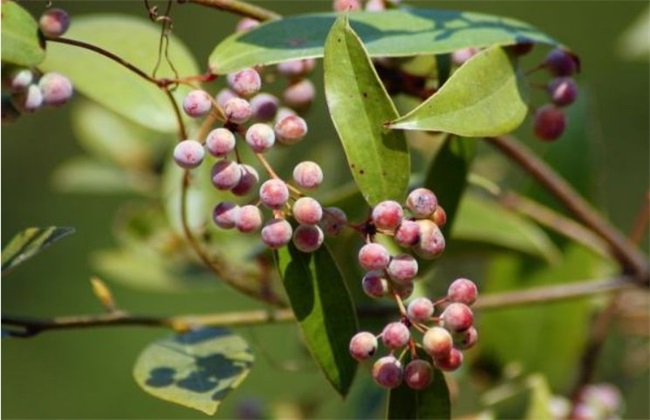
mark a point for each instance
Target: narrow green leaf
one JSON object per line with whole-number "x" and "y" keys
{"x": 485, "y": 97}
{"x": 393, "y": 33}
{"x": 323, "y": 307}
{"x": 30, "y": 242}
{"x": 196, "y": 369}
{"x": 20, "y": 39}
{"x": 103, "y": 80}
{"x": 359, "y": 106}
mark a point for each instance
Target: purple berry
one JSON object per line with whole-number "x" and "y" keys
{"x": 420, "y": 309}
{"x": 403, "y": 290}
{"x": 431, "y": 242}
{"x": 299, "y": 95}
{"x": 260, "y": 137}
{"x": 56, "y": 89}
{"x": 395, "y": 335}
{"x": 462, "y": 291}
{"x": 225, "y": 174}
{"x": 248, "y": 181}
{"x": 291, "y": 129}
{"x": 451, "y": 362}
{"x": 276, "y": 233}
{"x": 274, "y": 194}
{"x": 220, "y": 142}
{"x": 387, "y": 372}
{"x": 422, "y": 202}
{"x": 467, "y": 339}
{"x": 248, "y": 219}
{"x": 307, "y": 211}
{"x": 374, "y": 284}
{"x": 246, "y": 24}
{"x": 333, "y": 221}
{"x": 408, "y": 233}
{"x": 246, "y": 82}
{"x": 237, "y": 110}
{"x": 387, "y": 215}
{"x": 308, "y": 175}
{"x": 54, "y": 22}
{"x": 363, "y": 345}
{"x": 561, "y": 63}
{"x": 225, "y": 214}
{"x": 549, "y": 123}
{"x": 437, "y": 342}
{"x": 402, "y": 268}
{"x": 189, "y": 154}
{"x": 418, "y": 374}
{"x": 308, "y": 238}
{"x": 264, "y": 106}
{"x": 457, "y": 317}
{"x": 197, "y": 103}
{"x": 563, "y": 91}
{"x": 374, "y": 257}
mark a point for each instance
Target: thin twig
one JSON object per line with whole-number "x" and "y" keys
{"x": 640, "y": 228}
{"x": 238, "y": 7}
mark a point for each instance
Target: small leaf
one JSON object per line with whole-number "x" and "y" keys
{"x": 485, "y": 97}
{"x": 196, "y": 369}
{"x": 393, "y": 33}
{"x": 359, "y": 106}
{"x": 30, "y": 242}
{"x": 540, "y": 405}
{"x": 110, "y": 84}
{"x": 20, "y": 40}
{"x": 323, "y": 307}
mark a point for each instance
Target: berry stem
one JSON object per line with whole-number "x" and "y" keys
{"x": 238, "y": 7}
{"x": 267, "y": 166}
{"x": 640, "y": 228}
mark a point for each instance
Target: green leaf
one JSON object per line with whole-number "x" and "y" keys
{"x": 30, "y": 242}
{"x": 359, "y": 106}
{"x": 393, "y": 33}
{"x": 196, "y": 369}
{"x": 430, "y": 403}
{"x": 21, "y": 43}
{"x": 540, "y": 405}
{"x": 323, "y": 307}
{"x": 112, "y": 85}
{"x": 485, "y": 97}
{"x": 485, "y": 221}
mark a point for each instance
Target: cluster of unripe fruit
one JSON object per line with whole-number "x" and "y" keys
{"x": 444, "y": 337}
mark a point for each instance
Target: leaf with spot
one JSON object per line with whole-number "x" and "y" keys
{"x": 30, "y": 242}
{"x": 359, "y": 107}
{"x": 197, "y": 369}
{"x": 21, "y": 43}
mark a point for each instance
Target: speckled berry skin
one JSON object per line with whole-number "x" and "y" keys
{"x": 189, "y": 154}
{"x": 299, "y": 95}
{"x": 395, "y": 335}
{"x": 418, "y": 374}
{"x": 277, "y": 233}
{"x": 290, "y": 129}
{"x": 363, "y": 345}
{"x": 246, "y": 82}
{"x": 308, "y": 238}
{"x": 407, "y": 233}
{"x": 387, "y": 215}
{"x": 54, "y": 22}
{"x": 249, "y": 219}
{"x": 294, "y": 69}
{"x": 402, "y": 268}
{"x": 420, "y": 309}
{"x": 373, "y": 257}
{"x": 220, "y": 142}
{"x": 333, "y": 221}
{"x": 197, "y": 103}
{"x": 225, "y": 214}
{"x": 237, "y": 110}
{"x": 308, "y": 211}
{"x": 463, "y": 291}
{"x": 549, "y": 123}
{"x": 308, "y": 175}
{"x": 226, "y": 174}
{"x": 457, "y": 317}
{"x": 274, "y": 194}
{"x": 431, "y": 242}
{"x": 248, "y": 181}
{"x": 56, "y": 89}
{"x": 260, "y": 137}
{"x": 422, "y": 202}
{"x": 437, "y": 342}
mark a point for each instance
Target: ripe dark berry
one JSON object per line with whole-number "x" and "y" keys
{"x": 420, "y": 309}
{"x": 308, "y": 238}
{"x": 248, "y": 219}
{"x": 462, "y": 291}
{"x": 451, "y": 362}
{"x": 437, "y": 342}
{"x": 225, "y": 174}
{"x": 422, "y": 202}
{"x": 418, "y": 374}
{"x": 374, "y": 284}
{"x": 237, "y": 110}
{"x": 457, "y": 317}
{"x": 308, "y": 175}
{"x": 189, "y": 154}
{"x": 395, "y": 335}
{"x": 56, "y": 89}
{"x": 225, "y": 214}
{"x": 274, "y": 194}
{"x": 220, "y": 142}
{"x": 431, "y": 242}
{"x": 549, "y": 123}
{"x": 246, "y": 82}
{"x": 290, "y": 129}
{"x": 248, "y": 181}
{"x": 387, "y": 372}
{"x": 307, "y": 211}
{"x": 403, "y": 290}
{"x": 299, "y": 95}
{"x": 260, "y": 137}
{"x": 373, "y": 257}
{"x": 54, "y": 22}
{"x": 563, "y": 91}
{"x": 264, "y": 106}
{"x": 197, "y": 103}
{"x": 402, "y": 268}
{"x": 561, "y": 63}
{"x": 387, "y": 215}
{"x": 363, "y": 345}
{"x": 276, "y": 233}
{"x": 333, "y": 221}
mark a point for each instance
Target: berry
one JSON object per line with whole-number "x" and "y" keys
{"x": 224, "y": 96}
{"x": 308, "y": 175}
{"x": 197, "y": 103}
{"x": 395, "y": 335}
{"x": 420, "y": 309}
{"x": 296, "y": 68}
{"x": 29, "y": 100}
{"x": 387, "y": 372}
{"x": 387, "y": 215}
{"x": 462, "y": 291}
{"x": 237, "y": 110}
{"x": 248, "y": 181}
{"x": 461, "y": 56}
{"x": 466, "y": 339}
{"x": 363, "y": 345}
{"x": 307, "y": 211}
{"x": 457, "y": 317}
{"x": 403, "y": 290}
{"x": 402, "y": 268}
{"x": 373, "y": 257}
{"x": 19, "y": 79}
{"x": 561, "y": 63}
{"x": 284, "y": 112}
{"x": 220, "y": 142}
{"x": 451, "y": 362}
{"x": 422, "y": 202}
{"x": 274, "y": 194}
{"x": 54, "y": 22}
{"x": 299, "y": 95}
{"x": 225, "y": 214}
{"x": 431, "y": 242}
{"x": 308, "y": 238}
{"x": 56, "y": 89}
{"x": 246, "y": 82}
{"x": 437, "y": 342}
{"x": 418, "y": 374}
{"x": 248, "y": 219}
{"x": 408, "y": 233}
{"x": 563, "y": 91}
{"x": 189, "y": 154}
{"x": 290, "y": 129}
{"x": 246, "y": 24}
{"x": 276, "y": 233}
{"x": 260, "y": 137}
{"x": 346, "y": 5}
{"x": 333, "y": 221}
{"x": 549, "y": 123}
{"x": 225, "y": 174}
{"x": 264, "y": 106}
{"x": 374, "y": 284}
{"x": 439, "y": 217}
{"x": 375, "y": 6}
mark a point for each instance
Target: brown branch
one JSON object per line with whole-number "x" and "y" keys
{"x": 632, "y": 260}
{"x": 640, "y": 228}
{"x": 238, "y": 7}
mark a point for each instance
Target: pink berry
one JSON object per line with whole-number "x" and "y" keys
{"x": 56, "y": 89}
{"x": 375, "y": 6}
{"x": 224, "y": 96}
{"x": 395, "y": 335}
{"x": 225, "y": 214}
{"x": 462, "y": 291}
{"x": 431, "y": 242}
{"x": 363, "y": 345}
{"x": 276, "y": 233}
{"x": 248, "y": 181}
{"x": 373, "y": 256}
{"x": 457, "y": 317}
{"x": 549, "y": 123}
{"x": 561, "y": 63}
{"x": 197, "y": 103}
{"x": 237, "y": 110}
{"x": 407, "y": 233}
{"x": 439, "y": 217}
{"x": 387, "y": 372}
{"x": 245, "y": 83}
{"x": 461, "y": 56}
{"x": 563, "y": 91}
{"x": 422, "y": 202}
{"x": 54, "y": 22}
{"x": 420, "y": 309}
{"x": 451, "y": 362}
{"x": 403, "y": 290}
{"x": 437, "y": 342}
{"x": 374, "y": 284}
{"x": 308, "y": 175}
{"x": 333, "y": 221}
{"x": 346, "y": 5}
{"x": 220, "y": 142}
{"x": 246, "y": 24}
{"x": 291, "y": 129}
{"x": 264, "y": 106}
{"x": 28, "y": 100}
{"x": 274, "y": 194}
{"x": 402, "y": 268}
{"x": 260, "y": 137}
{"x": 296, "y": 68}
{"x": 467, "y": 339}
{"x": 418, "y": 374}
{"x": 189, "y": 154}
{"x": 307, "y": 211}
{"x": 299, "y": 95}
{"x": 308, "y": 238}
{"x": 387, "y": 215}
{"x": 225, "y": 174}
{"x": 248, "y": 219}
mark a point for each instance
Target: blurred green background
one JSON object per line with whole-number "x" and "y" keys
{"x": 87, "y": 374}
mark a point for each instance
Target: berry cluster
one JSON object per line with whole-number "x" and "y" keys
{"x": 443, "y": 339}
